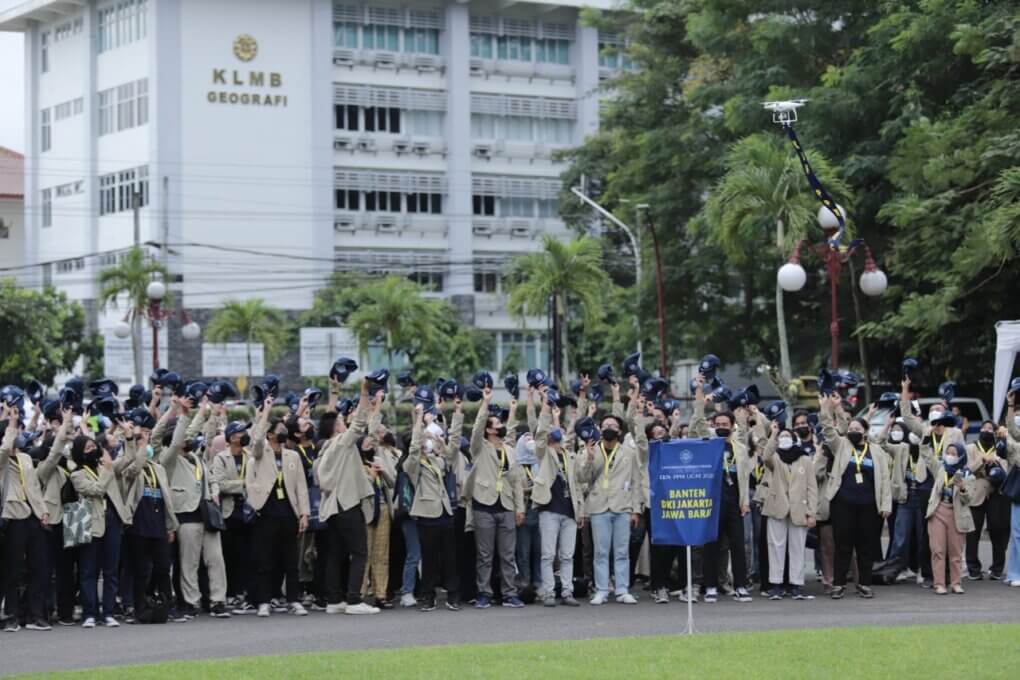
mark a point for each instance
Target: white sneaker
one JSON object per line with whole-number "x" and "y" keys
{"x": 88, "y": 623}
{"x": 1014, "y": 584}
{"x": 626, "y": 598}
{"x": 336, "y": 608}
{"x": 361, "y": 608}
{"x": 407, "y": 600}
{"x": 111, "y": 622}
{"x": 263, "y": 610}
{"x": 599, "y": 599}
{"x": 297, "y": 609}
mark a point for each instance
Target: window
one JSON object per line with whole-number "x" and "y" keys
{"x": 121, "y": 23}
{"x": 126, "y": 106}
{"x": 143, "y": 101}
{"x": 612, "y": 55}
{"x": 522, "y": 128}
{"x": 132, "y": 107}
{"x": 5, "y": 229}
{"x": 517, "y": 207}
{"x": 79, "y": 106}
{"x": 347, "y": 199}
{"x": 550, "y": 51}
{"x": 46, "y": 136}
{"x": 424, "y": 203}
{"x": 512, "y": 48}
{"x": 62, "y": 32}
{"x": 117, "y": 189}
{"x": 47, "y": 207}
{"x": 44, "y": 52}
{"x": 424, "y": 123}
{"x": 107, "y": 194}
{"x": 106, "y": 113}
{"x": 548, "y": 207}
{"x": 125, "y": 189}
{"x": 484, "y": 205}
{"x": 382, "y": 119}
{"x": 485, "y": 282}
{"x": 382, "y": 201}
{"x": 433, "y": 280}
{"x": 68, "y": 266}
{"x": 481, "y": 45}
{"x": 345, "y": 34}
{"x": 421, "y": 40}
{"x": 388, "y": 37}
{"x": 381, "y": 38}
{"x": 517, "y": 128}
{"x": 553, "y": 130}
{"x": 532, "y": 349}
{"x": 62, "y": 111}
{"x": 483, "y": 126}
{"x": 346, "y": 117}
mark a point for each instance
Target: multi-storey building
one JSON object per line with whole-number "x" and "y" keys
{"x": 268, "y": 144}
{"x": 12, "y": 214}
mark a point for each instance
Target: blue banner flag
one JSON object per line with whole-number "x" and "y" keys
{"x": 686, "y": 490}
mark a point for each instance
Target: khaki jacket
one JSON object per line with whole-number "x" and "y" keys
{"x": 900, "y": 462}
{"x": 136, "y": 486}
{"x": 792, "y": 490}
{"x": 260, "y": 475}
{"x": 52, "y": 476}
{"x": 623, "y": 488}
{"x": 841, "y": 447}
{"x": 962, "y": 500}
{"x": 386, "y": 480}
{"x": 188, "y": 473}
{"x": 486, "y": 483}
{"x": 738, "y": 441}
{"x": 108, "y": 483}
{"x": 228, "y": 480}
{"x": 339, "y": 470}
{"x": 22, "y": 494}
{"x": 976, "y": 464}
{"x": 820, "y": 464}
{"x": 952, "y": 435}
{"x": 430, "y": 497}
{"x": 549, "y": 468}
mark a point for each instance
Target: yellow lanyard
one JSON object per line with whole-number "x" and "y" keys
{"x": 302, "y": 450}
{"x": 21, "y": 473}
{"x": 150, "y": 476}
{"x": 983, "y": 451}
{"x": 527, "y": 471}
{"x": 937, "y": 445}
{"x": 608, "y": 458}
{"x": 759, "y": 472}
{"x": 561, "y": 464}
{"x": 198, "y": 469}
{"x": 946, "y": 484}
{"x": 426, "y": 463}
{"x": 858, "y": 459}
{"x": 913, "y": 466}
{"x": 94, "y": 476}
{"x": 244, "y": 465}
{"x": 499, "y": 473}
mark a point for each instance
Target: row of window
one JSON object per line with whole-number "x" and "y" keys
{"x": 117, "y": 190}
{"x": 68, "y": 29}
{"x": 124, "y": 107}
{"x": 389, "y": 201}
{"x": 351, "y": 35}
{"x": 59, "y": 112}
{"x": 492, "y": 206}
{"x": 430, "y": 124}
{"x": 522, "y": 128}
{"x": 62, "y": 191}
{"x": 121, "y": 23}
{"x": 67, "y": 109}
{"x": 515, "y": 48}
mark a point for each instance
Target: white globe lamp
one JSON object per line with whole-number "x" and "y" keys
{"x": 791, "y": 277}
{"x": 827, "y": 219}
{"x": 873, "y": 282}
{"x": 122, "y": 329}
{"x": 191, "y": 331}
{"x": 156, "y": 290}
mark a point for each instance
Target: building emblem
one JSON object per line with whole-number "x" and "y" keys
{"x": 245, "y": 47}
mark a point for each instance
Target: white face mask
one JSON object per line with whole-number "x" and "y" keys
{"x": 914, "y": 439}
{"x": 951, "y": 459}
{"x": 896, "y": 436}
{"x": 530, "y": 446}
{"x": 1016, "y": 420}
{"x": 934, "y": 415}
{"x": 785, "y": 443}
{"x": 429, "y": 445}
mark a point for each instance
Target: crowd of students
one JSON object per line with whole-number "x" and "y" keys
{"x": 158, "y": 508}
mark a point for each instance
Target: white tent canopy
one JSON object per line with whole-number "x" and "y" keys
{"x": 1006, "y": 348}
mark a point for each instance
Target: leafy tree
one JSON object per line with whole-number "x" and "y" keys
{"x": 43, "y": 334}
{"x": 127, "y": 281}
{"x": 253, "y": 321}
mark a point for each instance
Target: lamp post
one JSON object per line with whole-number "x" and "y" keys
{"x": 792, "y": 276}
{"x": 663, "y": 360}
{"x": 157, "y": 314}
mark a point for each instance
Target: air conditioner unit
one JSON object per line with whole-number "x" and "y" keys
{"x": 402, "y": 145}
{"x": 482, "y": 150}
{"x": 366, "y": 144}
{"x": 386, "y": 223}
{"x": 520, "y": 228}
{"x": 343, "y": 57}
{"x": 421, "y": 148}
{"x": 482, "y": 229}
{"x": 476, "y": 67}
{"x": 426, "y": 62}
{"x": 345, "y": 224}
{"x": 340, "y": 143}
{"x": 385, "y": 60}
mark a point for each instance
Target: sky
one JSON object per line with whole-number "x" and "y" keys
{"x": 12, "y": 86}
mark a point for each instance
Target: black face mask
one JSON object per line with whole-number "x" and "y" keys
{"x": 610, "y": 435}
{"x": 245, "y": 440}
{"x": 803, "y": 431}
{"x": 987, "y": 438}
{"x": 367, "y": 455}
{"x": 501, "y": 431}
{"x": 722, "y": 432}
{"x": 855, "y": 437}
{"x": 281, "y": 437}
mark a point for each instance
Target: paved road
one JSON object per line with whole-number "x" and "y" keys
{"x": 67, "y": 648}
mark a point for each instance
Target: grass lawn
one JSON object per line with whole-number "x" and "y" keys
{"x": 929, "y": 652}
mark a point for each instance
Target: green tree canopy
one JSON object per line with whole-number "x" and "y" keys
{"x": 43, "y": 334}
{"x": 250, "y": 321}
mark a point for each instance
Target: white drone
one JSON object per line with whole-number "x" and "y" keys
{"x": 784, "y": 112}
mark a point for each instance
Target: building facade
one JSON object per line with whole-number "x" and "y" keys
{"x": 12, "y": 214}
{"x": 257, "y": 146}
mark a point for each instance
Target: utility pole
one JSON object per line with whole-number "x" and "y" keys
{"x": 663, "y": 361}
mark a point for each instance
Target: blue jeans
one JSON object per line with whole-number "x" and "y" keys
{"x": 611, "y": 530}
{"x": 101, "y": 555}
{"x": 529, "y": 551}
{"x": 1013, "y": 556}
{"x": 908, "y": 528}
{"x": 412, "y": 550}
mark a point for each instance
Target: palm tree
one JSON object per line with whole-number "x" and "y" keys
{"x": 254, "y": 322}
{"x": 566, "y": 272}
{"x": 130, "y": 279}
{"x": 764, "y": 182}
{"x": 395, "y": 311}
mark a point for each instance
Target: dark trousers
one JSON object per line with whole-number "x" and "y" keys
{"x": 348, "y": 538}
{"x": 996, "y": 510}
{"x": 276, "y": 538}
{"x": 150, "y": 566}
{"x": 854, "y": 528}
{"x": 237, "y": 545}
{"x": 731, "y": 526}
{"x": 61, "y": 561}
{"x": 24, "y": 555}
{"x": 662, "y": 557}
{"x": 438, "y": 560}
{"x": 637, "y": 540}
{"x": 101, "y": 555}
{"x": 466, "y": 558}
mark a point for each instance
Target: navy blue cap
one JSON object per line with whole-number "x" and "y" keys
{"x": 631, "y": 365}
{"x": 35, "y": 391}
{"x": 405, "y": 379}
{"x": 535, "y": 377}
{"x": 482, "y": 379}
{"x": 512, "y": 385}
{"x": 342, "y": 368}
{"x": 220, "y": 391}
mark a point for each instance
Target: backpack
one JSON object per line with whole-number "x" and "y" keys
{"x": 404, "y": 496}
{"x": 153, "y": 610}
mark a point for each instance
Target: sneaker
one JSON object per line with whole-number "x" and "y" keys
{"x": 661, "y": 596}
{"x": 219, "y": 611}
{"x": 338, "y": 608}
{"x": 297, "y": 609}
{"x": 279, "y": 606}
{"x": 308, "y": 600}
{"x": 741, "y": 595}
{"x": 972, "y": 576}
{"x": 549, "y": 601}
{"x": 318, "y": 606}
{"x": 263, "y": 610}
{"x": 111, "y": 622}
{"x": 626, "y": 598}
{"x": 599, "y": 599}
{"x": 189, "y": 612}
{"x": 65, "y": 622}
{"x": 728, "y": 589}
{"x": 453, "y": 605}
{"x": 89, "y": 622}
{"x": 38, "y": 625}
{"x": 866, "y": 592}
{"x": 407, "y": 600}
{"x": 244, "y": 608}
{"x": 683, "y": 597}
{"x": 799, "y": 594}
{"x": 384, "y": 604}
{"x": 176, "y": 616}
{"x": 711, "y": 595}
{"x": 676, "y": 593}
{"x": 994, "y": 575}
{"x": 12, "y": 625}
{"x": 775, "y": 593}
{"x": 940, "y": 590}
{"x": 483, "y": 602}
{"x": 569, "y": 601}
{"x": 427, "y": 605}
{"x": 957, "y": 589}
{"x": 129, "y": 617}
{"x": 905, "y": 575}
{"x": 926, "y": 583}
{"x": 513, "y": 602}
{"x": 361, "y": 608}
{"x": 838, "y": 592}
{"x": 1014, "y": 584}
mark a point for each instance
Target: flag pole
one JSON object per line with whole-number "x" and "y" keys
{"x": 690, "y": 596}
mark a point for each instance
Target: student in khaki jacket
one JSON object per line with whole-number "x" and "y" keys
{"x": 191, "y": 485}
{"x": 99, "y": 478}
{"x": 344, "y": 484}
{"x": 53, "y": 474}
{"x": 987, "y": 502}
{"x": 25, "y": 514}
{"x": 790, "y": 507}
{"x": 557, "y": 496}
{"x": 937, "y": 429}
{"x": 949, "y": 517}
{"x": 229, "y": 469}
{"x": 278, "y": 492}
{"x": 736, "y": 501}
{"x": 429, "y": 460}
{"x": 859, "y": 492}
{"x": 378, "y": 509}
{"x": 911, "y": 486}
{"x": 496, "y": 491}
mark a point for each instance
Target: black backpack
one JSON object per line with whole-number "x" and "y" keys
{"x": 153, "y": 610}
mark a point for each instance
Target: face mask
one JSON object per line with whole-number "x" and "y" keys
{"x": 429, "y": 445}
{"x": 914, "y": 439}
{"x": 951, "y": 459}
{"x": 1016, "y": 420}
{"x": 610, "y": 435}
{"x": 368, "y": 454}
{"x": 149, "y": 452}
{"x": 786, "y": 443}
{"x": 896, "y": 436}
{"x": 281, "y": 437}
{"x": 530, "y": 446}
{"x": 987, "y": 438}
{"x": 934, "y": 415}
{"x": 501, "y": 431}
{"x": 722, "y": 432}
{"x": 803, "y": 431}
{"x": 855, "y": 437}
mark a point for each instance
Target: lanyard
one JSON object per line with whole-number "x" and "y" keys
{"x": 527, "y": 471}
{"x": 502, "y": 464}
{"x": 302, "y": 450}
{"x": 426, "y": 463}
{"x": 608, "y": 458}
{"x": 858, "y": 459}
{"x": 279, "y": 473}
{"x": 561, "y": 465}
{"x": 947, "y": 487}
{"x": 198, "y": 469}
{"x": 913, "y": 466}
{"x": 150, "y": 476}
{"x": 983, "y": 451}
{"x": 243, "y": 467}
{"x": 937, "y": 445}
{"x": 90, "y": 473}
{"x": 21, "y": 473}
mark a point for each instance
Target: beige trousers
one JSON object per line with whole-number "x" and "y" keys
{"x": 197, "y": 543}
{"x": 378, "y": 568}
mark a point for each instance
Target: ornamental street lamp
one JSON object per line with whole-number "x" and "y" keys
{"x": 157, "y": 314}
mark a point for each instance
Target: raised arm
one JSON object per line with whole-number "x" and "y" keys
{"x": 478, "y": 431}
{"x": 454, "y": 433}
{"x": 910, "y": 421}
{"x": 529, "y": 410}
{"x": 49, "y": 465}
